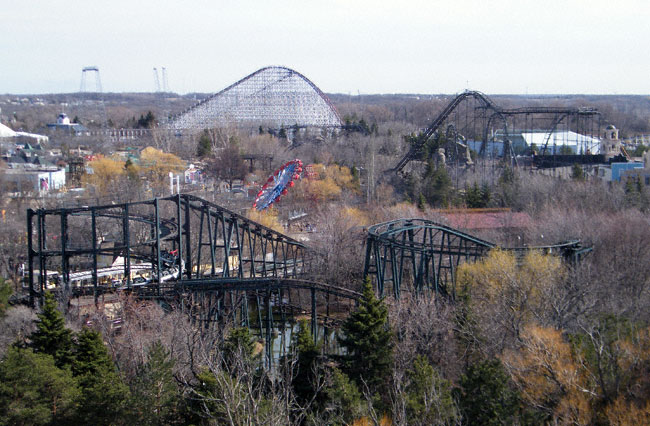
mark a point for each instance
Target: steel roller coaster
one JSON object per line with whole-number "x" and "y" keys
{"x": 476, "y": 117}
{"x": 223, "y": 268}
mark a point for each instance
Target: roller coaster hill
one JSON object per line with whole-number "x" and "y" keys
{"x": 474, "y": 122}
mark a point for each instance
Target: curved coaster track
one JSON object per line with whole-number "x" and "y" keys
{"x": 429, "y": 253}
{"x": 221, "y": 267}
{"x": 474, "y": 116}
{"x": 218, "y": 265}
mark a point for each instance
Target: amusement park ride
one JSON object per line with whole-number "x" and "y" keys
{"x": 473, "y": 116}
{"x": 225, "y": 268}
{"x": 278, "y": 184}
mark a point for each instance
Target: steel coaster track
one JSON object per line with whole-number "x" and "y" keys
{"x": 501, "y": 113}
{"x": 430, "y": 254}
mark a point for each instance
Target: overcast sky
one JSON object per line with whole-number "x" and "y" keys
{"x": 343, "y": 46}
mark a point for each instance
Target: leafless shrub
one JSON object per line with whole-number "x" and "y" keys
{"x": 17, "y": 324}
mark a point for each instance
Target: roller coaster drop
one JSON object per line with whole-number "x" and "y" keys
{"x": 476, "y": 116}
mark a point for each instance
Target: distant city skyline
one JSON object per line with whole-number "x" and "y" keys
{"x": 367, "y": 47}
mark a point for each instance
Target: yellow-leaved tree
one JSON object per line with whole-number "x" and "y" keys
{"x": 549, "y": 377}
{"x": 267, "y": 217}
{"x": 156, "y": 165}
{"x": 503, "y": 294}
{"x": 106, "y": 176}
{"x": 328, "y": 183}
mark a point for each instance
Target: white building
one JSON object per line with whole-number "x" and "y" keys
{"x": 554, "y": 141}
{"x": 26, "y": 180}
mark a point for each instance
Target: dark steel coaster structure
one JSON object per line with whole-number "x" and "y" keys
{"x": 222, "y": 268}
{"x": 476, "y": 117}
{"x": 427, "y": 254}
{"x": 217, "y": 264}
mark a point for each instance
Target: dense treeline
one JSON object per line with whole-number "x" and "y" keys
{"x": 525, "y": 341}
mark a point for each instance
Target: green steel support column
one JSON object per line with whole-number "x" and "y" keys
{"x": 327, "y": 317}
{"x": 313, "y": 315}
{"x": 366, "y": 265}
{"x": 274, "y": 251}
{"x": 188, "y": 241}
{"x": 179, "y": 237}
{"x": 400, "y": 270}
{"x": 220, "y": 302}
{"x": 269, "y": 340}
{"x": 157, "y": 230}
{"x": 264, "y": 242}
{"x": 383, "y": 269}
{"x": 93, "y": 225}
{"x": 240, "y": 268}
{"x": 233, "y": 308}
{"x": 285, "y": 269}
{"x": 251, "y": 249}
{"x": 127, "y": 244}
{"x": 380, "y": 266}
{"x": 259, "y": 312}
{"x": 393, "y": 264}
{"x": 41, "y": 258}
{"x": 245, "y": 314}
{"x": 452, "y": 270}
{"x": 30, "y": 257}
{"x": 213, "y": 262}
{"x": 283, "y": 321}
{"x": 200, "y": 242}
{"x": 227, "y": 242}
{"x": 65, "y": 275}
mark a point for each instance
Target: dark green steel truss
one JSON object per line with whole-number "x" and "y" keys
{"x": 428, "y": 254}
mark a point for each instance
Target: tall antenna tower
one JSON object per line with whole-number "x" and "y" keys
{"x": 165, "y": 83}
{"x": 156, "y": 80}
{"x": 90, "y": 97}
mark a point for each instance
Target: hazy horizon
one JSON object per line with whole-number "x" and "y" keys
{"x": 379, "y": 47}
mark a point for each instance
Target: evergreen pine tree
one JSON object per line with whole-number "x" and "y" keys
{"x": 157, "y": 398}
{"x": 422, "y": 202}
{"x": 204, "y": 147}
{"x": 5, "y": 293}
{"x": 486, "y": 195}
{"x": 429, "y": 400}
{"x": 343, "y": 401}
{"x": 473, "y": 196}
{"x": 577, "y": 173}
{"x": 307, "y": 353}
{"x": 486, "y": 396}
{"x": 368, "y": 342}
{"x": 104, "y": 395}
{"x": 33, "y": 391}
{"x": 51, "y": 336}
{"x": 239, "y": 343}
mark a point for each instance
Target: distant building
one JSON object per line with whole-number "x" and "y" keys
{"x": 610, "y": 145}
{"x": 556, "y": 142}
{"x": 7, "y": 134}
{"x": 63, "y": 124}
{"x": 34, "y": 180}
{"x": 641, "y": 172}
{"x": 193, "y": 175}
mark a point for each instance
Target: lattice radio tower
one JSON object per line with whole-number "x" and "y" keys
{"x": 90, "y": 97}
{"x": 164, "y": 88}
